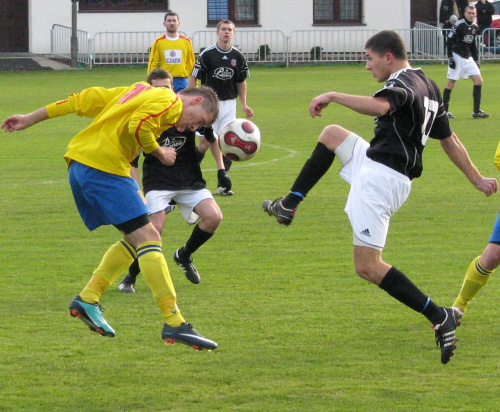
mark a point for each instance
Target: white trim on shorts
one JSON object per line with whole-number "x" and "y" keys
{"x": 185, "y": 200}
{"x": 377, "y": 192}
{"x": 464, "y": 68}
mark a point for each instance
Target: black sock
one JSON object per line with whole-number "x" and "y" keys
{"x": 400, "y": 287}
{"x": 227, "y": 163}
{"x": 313, "y": 170}
{"x": 476, "y": 95}
{"x": 199, "y": 155}
{"x": 133, "y": 271}
{"x": 198, "y": 237}
{"x": 446, "y": 98}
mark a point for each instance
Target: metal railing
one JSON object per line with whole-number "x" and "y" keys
{"x": 424, "y": 42}
{"x": 60, "y": 44}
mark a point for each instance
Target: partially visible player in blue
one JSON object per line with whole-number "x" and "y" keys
{"x": 126, "y": 120}
{"x": 407, "y": 110}
{"x": 482, "y": 267}
{"x": 180, "y": 185}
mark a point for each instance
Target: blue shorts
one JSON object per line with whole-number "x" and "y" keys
{"x": 495, "y": 236}
{"x": 103, "y": 198}
{"x": 180, "y": 83}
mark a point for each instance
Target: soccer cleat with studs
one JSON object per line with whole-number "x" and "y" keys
{"x": 90, "y": 313}
{"x": 445, "y": 334}
{"x": 187, "y": 335}
{"x": 283, "y": 215}
{"x": 449, "y": 115}
{"x": 480, "y": 115}
{"x": 187, "y": 265}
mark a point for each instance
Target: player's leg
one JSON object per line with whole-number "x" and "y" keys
{"x": 200, "y": 202}
{"x": 98, "y": 196}
{"x": 127, "y": 285}
{"x": 377, "y": 192}
{"x": 313, "y": 170}
{"x": 476, "y": 94}
{"x": 480, "y": 270}
{"x": 155, "y": 271}
{"x": 450, "y": 84}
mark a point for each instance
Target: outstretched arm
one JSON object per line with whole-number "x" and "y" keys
{"x": 23, "y": 121}
{"x": 369, "y": 105}
{"x": 459, "y": 156}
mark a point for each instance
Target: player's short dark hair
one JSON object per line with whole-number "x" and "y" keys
{"x": 210, "y": 101}
{"x": 171, "y": 13}
{"x": 387, "y": 41}
{"x": 159, "y": 74}
{"x": 225, "y": 22}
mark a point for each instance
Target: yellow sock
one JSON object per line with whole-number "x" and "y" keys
{"x": 114, "y": 262}
{"x": 475, "y": 279}
{"x": 155, "y": 271}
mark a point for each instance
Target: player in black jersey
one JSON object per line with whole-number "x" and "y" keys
{"x": 464, "y": 61}
{"x": 408, "y": 110}
{"x": 223, "y": 68}
{"x": 181, "y": 184}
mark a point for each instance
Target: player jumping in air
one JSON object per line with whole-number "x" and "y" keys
{"x": 407, "y": 110}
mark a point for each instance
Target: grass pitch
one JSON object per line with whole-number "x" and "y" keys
{"x": 296, "y": 328}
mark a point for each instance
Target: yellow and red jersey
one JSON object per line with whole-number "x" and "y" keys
{"x": 176, "y": 56}
{"x": 126, "y": 121}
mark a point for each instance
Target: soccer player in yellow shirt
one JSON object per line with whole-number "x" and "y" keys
{"x": 173, "y": 52}
{"x": 126, "y": 121}
{"x": 482, "y": 267}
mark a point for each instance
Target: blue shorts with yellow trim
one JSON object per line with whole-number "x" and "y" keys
{"x": 103, "y": 198}
{"x": 495, "y": 236}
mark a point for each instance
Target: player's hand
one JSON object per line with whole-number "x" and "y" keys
{"x": 451, "y": 63}
{"x": 487, "y": 185}
{"x": 248, "y": 111}
{"x": 15, "y": 122}
{"x": 318, "y": 104}
{"x": 224, "y": 183}
{"x": 166, "y": 155}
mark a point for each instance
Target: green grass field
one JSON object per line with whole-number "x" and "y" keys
{"x": 296, "y": 328}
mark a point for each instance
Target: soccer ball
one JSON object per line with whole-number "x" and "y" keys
{"x": 239, "y": 140}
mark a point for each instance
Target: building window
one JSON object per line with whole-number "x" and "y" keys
{"x": 337, "y": 11}
{"x": 240, "y": 12}
{"x": 122, "y": 5}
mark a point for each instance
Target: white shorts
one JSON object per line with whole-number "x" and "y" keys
{"x": 227, "y": 112}
{"x": 377, "y": 192}
{"x": 186, "y": 200}
{"x": 464, "y": 68}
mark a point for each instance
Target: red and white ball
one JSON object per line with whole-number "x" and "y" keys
{"x": 239, "y": 140}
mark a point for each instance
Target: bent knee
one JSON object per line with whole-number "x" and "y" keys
{"x": 332, "y": 136}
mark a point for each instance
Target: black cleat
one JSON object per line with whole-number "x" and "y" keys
{"x": 187, "y": 335}
{"x": 90, "y": 313}
{"x": 449, "y": 115}
{"x": 480, "y": 115}
{"x": 276, "y": 208}
{"x": 445, "y": 334}
{"x": 127, "y": 285}
{"x": 187, "y": 265}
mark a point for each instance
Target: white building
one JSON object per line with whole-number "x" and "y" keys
{"x": 26, "y": 24}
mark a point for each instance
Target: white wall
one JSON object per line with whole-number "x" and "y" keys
{"x": 274, "y": 15}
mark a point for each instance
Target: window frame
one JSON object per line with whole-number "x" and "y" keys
{"x": 231, "y": 15}
{"x": 126, "y": 7}
{"x": 336, "y": 11}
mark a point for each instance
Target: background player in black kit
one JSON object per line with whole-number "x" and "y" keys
{"x": 464, "y": 61}
{"x": 408, "y": 110}
{"x": 181, "y": 184}
{"x": 223, "y": 68}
